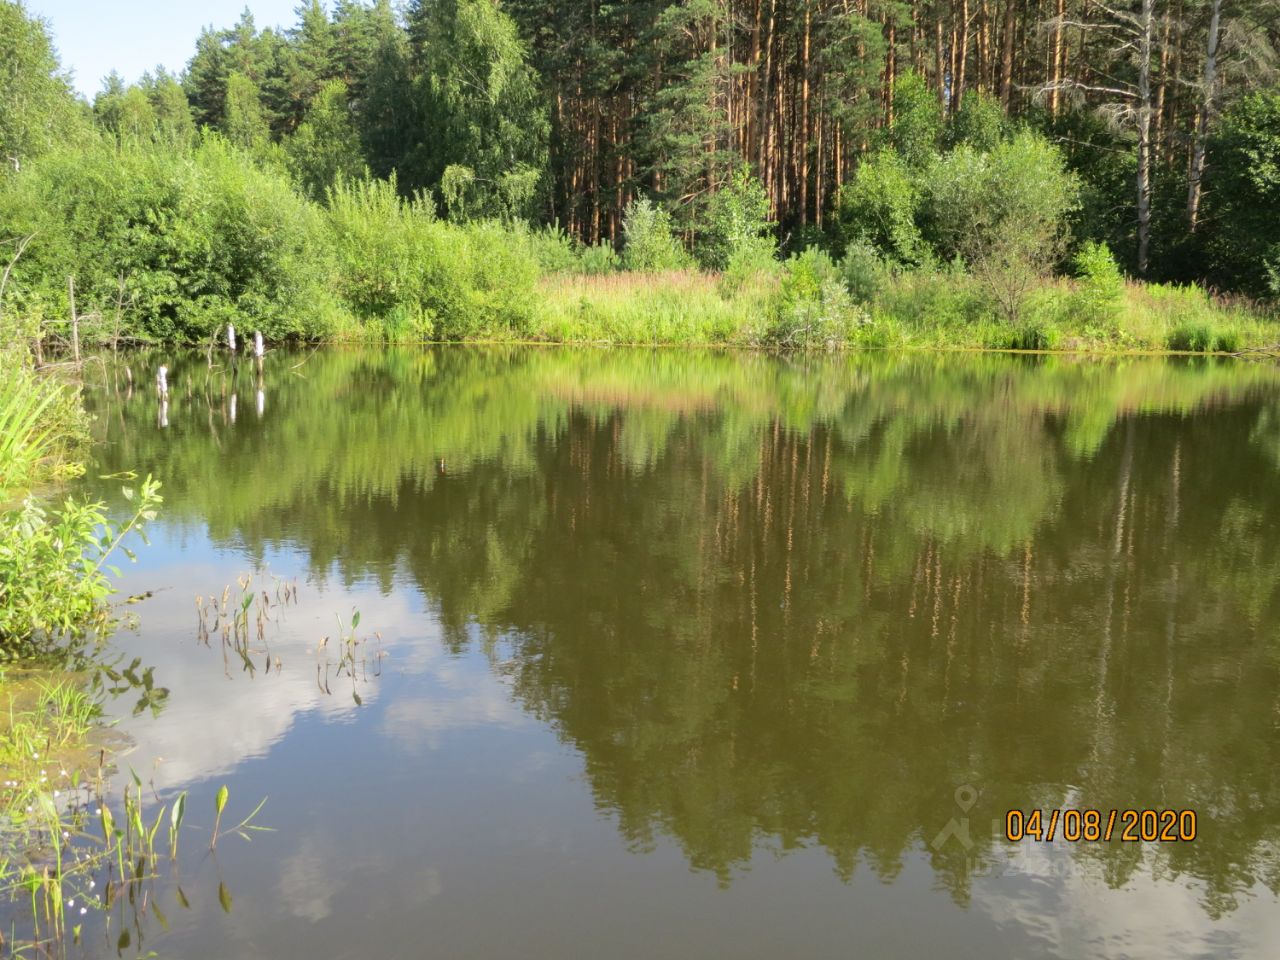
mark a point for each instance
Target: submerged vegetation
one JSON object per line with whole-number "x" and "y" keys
{"x": 287, "y": 183}
{"x": 65, "y": 857}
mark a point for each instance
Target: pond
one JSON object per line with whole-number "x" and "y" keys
{"x": 676, "y": 654}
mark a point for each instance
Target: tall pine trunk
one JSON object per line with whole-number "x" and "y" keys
{"x": 1196, "y": 176}
{"x": 1144, "y": 135}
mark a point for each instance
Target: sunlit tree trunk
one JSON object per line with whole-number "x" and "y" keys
{"x": 1145, "y": 29}
{"x": 1202, "y": 116}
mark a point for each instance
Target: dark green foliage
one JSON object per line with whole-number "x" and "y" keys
{"x": 326, "y": 146}
{"x": 220, "y": 54}
{"x": 682, "y": 116}
{"x": 851, "y": 54}
{"x": 386, "y": 116}
{"x": 308, "y": 63}
{"x": 479, "y": 129}
{"x": 1242, "y": 198}
{"x": 979, "y": 123}
{"x": 1104, "y": 165}
{"x": 916, "y": 133}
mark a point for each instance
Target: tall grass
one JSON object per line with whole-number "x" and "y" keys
{"x": 673, "y": 307}
{"x": 35, "y": 428}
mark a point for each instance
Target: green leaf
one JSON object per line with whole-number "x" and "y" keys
{"x": 221, "y": 800}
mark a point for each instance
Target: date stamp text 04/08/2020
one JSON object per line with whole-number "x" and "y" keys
{"x": 1129, "y": 826}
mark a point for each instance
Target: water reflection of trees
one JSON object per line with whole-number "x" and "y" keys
{"x": 800, "y": 602}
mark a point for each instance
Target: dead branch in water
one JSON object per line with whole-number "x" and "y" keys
{"x": 1258, "y": 353}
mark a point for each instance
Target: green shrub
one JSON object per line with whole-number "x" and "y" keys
{"x": 326, "y": 146}
{"x": 411, "y": 276}
{"x": 552, "y": 249}
{"x": 52, "y": 567}
{"x": 863, "y": 270}
{"x": 979, "y": 123}
{"x": 497, "y": 277}
{"x": 738, "y": 223}
{"x": 599, "y": 258}
{"x": 1099, "y": 291}
{"x": 813, "y": 306}
{"x": 1004, "y": 212}
{"x": 917, "y": 127}
{"x": 191, "y": 234}
{"x": 1197, "y": 337}
{"x": 650, "y": 244}
{"x": 1230, "y": 340}
{"x": 1038, "y": 333}
{"x": 379, "y": 241}
{"x": 40, "y": 420}
{"x": 937, "y": 299}
{"x": 1204, "y": 336}
{"x": 878, "y": 208}
{"x": 753, "y": 267}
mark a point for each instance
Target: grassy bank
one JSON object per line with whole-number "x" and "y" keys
{"x": 930, "y": 310}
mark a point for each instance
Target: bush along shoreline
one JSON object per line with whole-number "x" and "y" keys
{"x": 145, "y": 245}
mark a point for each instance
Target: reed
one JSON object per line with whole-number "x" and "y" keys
{"x": 29, "y": 436}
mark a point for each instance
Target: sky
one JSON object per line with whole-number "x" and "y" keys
{"x": 133, "y": 36}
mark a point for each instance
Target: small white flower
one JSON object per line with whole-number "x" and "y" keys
{"x": 71, "y": 903}
{"x": 91, "y": 884}
{"x": 83, "y": 911}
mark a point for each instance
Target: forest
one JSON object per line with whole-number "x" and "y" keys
{"x": 1025, "y": 173}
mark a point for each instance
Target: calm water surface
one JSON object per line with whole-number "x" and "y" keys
{"x": 694, "y": 655}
